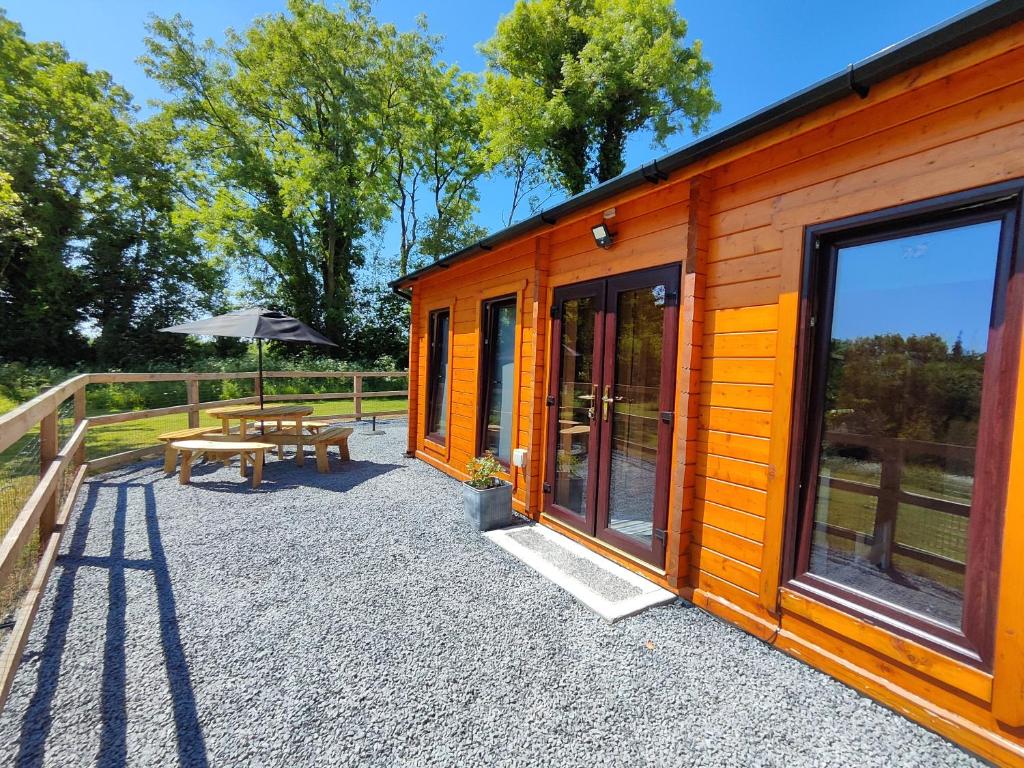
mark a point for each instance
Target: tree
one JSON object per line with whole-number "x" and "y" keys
{"x": 314, "y": 128}
{"x": 144, "y": 268}
{"x": 287, "y": 185}
{"x": 59, "y": 126}
{"x": 590, "y": 73}
{"x": 89, "y": 245}
{"x": 431, "y": 138}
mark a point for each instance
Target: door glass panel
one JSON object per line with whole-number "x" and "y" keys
{"x": 500, "y": 359}
{"x": 634, "y": 412}
{"x": 902, "y": 400}
{"x": 575, "y": 404}
{"x": 438, "y": 381}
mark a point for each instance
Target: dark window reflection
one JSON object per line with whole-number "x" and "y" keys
{"x": 639, "y": 330}
{"x": 903, "y": 394}
{"x": 499, "y": 381}
{"x": 576, "y": 403}
{"x": 437, "y": 427}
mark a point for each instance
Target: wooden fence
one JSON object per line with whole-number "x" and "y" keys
{"x": 63, "y": 468}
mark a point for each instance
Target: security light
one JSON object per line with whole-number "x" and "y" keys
{"x": 602, "y": 235}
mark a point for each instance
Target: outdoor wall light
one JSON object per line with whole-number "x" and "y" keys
{"x": 602, "y": 235}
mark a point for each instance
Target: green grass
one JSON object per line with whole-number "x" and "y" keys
{"x": 936, "y": 532}
{"x": 129, "y": 435}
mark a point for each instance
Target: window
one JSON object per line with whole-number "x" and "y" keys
{"x": 498, "y": 381}
{"x": 437, "y": 376}
{"x": 909, "y": 364}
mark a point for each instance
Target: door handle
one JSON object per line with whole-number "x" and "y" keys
{"x": 606, "y": 400}
{"x": 591, "y": 411}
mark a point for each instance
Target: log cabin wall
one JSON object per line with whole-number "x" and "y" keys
{"x": 735, "y": 223}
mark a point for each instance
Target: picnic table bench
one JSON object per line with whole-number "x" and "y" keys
{"x": 248, "y": 451}
{"x": 170, "y": 454}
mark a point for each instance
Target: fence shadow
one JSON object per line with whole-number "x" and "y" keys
{"x": 35, "y": 729}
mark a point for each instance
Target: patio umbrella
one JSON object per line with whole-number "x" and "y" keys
{"x": 254, "y": 323}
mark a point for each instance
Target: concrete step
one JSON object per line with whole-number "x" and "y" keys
{"x": 606, "y": 588}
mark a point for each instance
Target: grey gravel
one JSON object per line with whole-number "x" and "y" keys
{"x": 355, "y": 619}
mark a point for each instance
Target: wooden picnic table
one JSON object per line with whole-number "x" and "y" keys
{"x": 292, "y": 414}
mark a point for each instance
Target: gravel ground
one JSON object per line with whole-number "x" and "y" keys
{"x": 354, "y": 619}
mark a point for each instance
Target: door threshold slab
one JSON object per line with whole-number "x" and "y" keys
{"x": 604, "y": 587}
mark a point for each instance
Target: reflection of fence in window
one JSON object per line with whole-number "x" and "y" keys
{"x": 907, "y": 500}
{"x": 636, "y": 418}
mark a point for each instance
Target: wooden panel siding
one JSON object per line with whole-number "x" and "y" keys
{"x": 734, "y": 222}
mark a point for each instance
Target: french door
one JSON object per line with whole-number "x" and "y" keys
{"x": 610, "y": 408}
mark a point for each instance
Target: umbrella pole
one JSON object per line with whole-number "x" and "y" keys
{"x": 259, "y": 346}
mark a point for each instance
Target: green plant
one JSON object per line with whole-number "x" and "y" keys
{"x": 482, "y": 471}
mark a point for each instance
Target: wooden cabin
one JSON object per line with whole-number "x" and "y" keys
{"x": 778, "y": 372}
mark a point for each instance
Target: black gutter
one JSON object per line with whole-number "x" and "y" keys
{"x": 960, "y": 30}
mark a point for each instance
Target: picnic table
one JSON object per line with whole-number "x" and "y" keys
{"x": 291, "y": 415}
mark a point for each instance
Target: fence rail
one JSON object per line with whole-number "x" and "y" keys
{"x": 62, "y": 469}
{"x": 889, "y": 495}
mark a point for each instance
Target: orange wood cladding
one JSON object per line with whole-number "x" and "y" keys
{"x": 735, "y": 222}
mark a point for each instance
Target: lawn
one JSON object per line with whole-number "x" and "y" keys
{"x": 937, "y": 532}
{"x": 126, "y": 436}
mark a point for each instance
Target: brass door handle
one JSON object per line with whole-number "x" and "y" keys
{"x": 605, "y": 401}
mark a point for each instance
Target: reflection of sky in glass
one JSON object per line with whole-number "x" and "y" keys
{"x": 937, "y": 282}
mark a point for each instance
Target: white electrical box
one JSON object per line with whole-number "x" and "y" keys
{"x": 519, "y": 457}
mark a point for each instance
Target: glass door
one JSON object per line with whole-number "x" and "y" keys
{"x": 637, "y": 398}
{"x": 575, "y": 383}
{"x": 612, "y": 394}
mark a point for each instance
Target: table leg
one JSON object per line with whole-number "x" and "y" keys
{"x": 186, "y": 468}
{"x": 170, "y": 454}
{"x": 299, "y": 454}
{"x": 280, "y": 446}
{"x": 241, "y": 462}
{"x": 227, "y": 431}
{"x": 257, "y": 467}
{"x": 322, "y": 462}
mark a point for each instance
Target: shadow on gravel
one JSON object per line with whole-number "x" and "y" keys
{"x": 283, "y": 475}
{"x": 113, "y": 737}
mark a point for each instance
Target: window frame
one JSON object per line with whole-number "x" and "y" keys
{"x": 487, "y": 329}
{"x": 973, "y": 642}
{"x": 433, "y": 351}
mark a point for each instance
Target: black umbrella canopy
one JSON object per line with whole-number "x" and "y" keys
{"x": 254, "y": 323}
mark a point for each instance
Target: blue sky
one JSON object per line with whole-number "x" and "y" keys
{"x": 761, "y": 51}
{"x": 920, "y": 284}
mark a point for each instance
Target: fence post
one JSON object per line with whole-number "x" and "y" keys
{"x": 888, "y": 503}
{"x": 257, "y": 387}
{"x": 48, "y": 448}
{"x": 192, "y": 387}
{"x": 357, "y": 389}
{"x": 79, "y": 457}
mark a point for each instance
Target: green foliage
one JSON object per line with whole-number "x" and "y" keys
{"x": 87, "y": 234}
{"x": 430, "y": 133}
{"x": 586, "y": 74}
{"x": 316, "y": 126}
{"x": 482, "y": 471}
{"x": 915, "y": 387}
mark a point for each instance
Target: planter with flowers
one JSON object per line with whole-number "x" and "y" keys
{"x": 487, "y": 499}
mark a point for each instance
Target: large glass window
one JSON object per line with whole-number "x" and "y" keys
{"x": 498, "y": 383}
{"x": 437, "y": 376}
{"x": 903, "y": 414}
